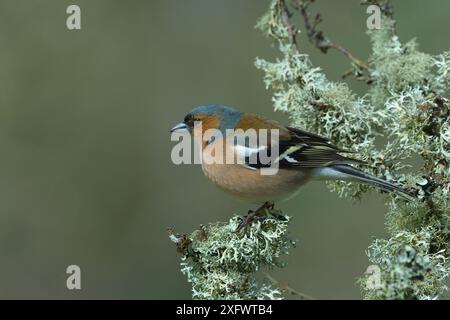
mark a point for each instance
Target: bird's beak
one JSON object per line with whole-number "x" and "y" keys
{"x": 181, "y": 127}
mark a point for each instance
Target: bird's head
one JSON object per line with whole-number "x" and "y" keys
{"x": 212, "y": 116}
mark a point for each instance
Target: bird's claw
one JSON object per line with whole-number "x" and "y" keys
{"x": 254, "y": 215}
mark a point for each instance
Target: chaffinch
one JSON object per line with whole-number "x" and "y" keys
{"x": 302, "y": 157}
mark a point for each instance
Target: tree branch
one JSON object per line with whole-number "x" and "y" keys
{"x": 317, "y": 38}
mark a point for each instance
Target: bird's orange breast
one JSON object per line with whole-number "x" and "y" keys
{"x": 249, "y": 184}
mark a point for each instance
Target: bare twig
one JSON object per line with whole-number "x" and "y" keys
{"x": 317, "y": 37}
{"x": 286, "y": 288}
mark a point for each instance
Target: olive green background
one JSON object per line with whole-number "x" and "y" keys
{"x": 85, "y": 171}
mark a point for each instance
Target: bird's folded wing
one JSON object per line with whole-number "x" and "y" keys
{"x": 298, "y": 149}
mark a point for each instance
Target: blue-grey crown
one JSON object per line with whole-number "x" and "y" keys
{"x": 229, "y": 116}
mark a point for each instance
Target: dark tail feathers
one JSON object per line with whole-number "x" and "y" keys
{"x": 360, "y": 176}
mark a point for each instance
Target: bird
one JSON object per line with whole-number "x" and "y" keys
{"x": 302, "y": 157}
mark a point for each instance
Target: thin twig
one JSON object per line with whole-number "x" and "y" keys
{"x": 317, "y": 37}
{"x": 287, "y": 288}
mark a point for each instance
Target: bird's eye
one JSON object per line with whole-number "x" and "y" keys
{"x": 189, "y": 120}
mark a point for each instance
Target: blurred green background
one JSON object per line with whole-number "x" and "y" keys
{"x": 85, "y": 170}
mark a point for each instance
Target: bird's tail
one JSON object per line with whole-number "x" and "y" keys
{"x": 349, "y": 173}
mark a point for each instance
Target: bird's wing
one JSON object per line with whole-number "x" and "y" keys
{"x": 298, "y": 149}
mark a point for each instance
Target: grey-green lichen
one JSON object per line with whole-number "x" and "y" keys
{"x": 406, "y": 103}
{"x": 411, "y": 268}
{"x": 222, "y": 264}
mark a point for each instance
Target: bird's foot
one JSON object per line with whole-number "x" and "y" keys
{"x": 259, "y": 213}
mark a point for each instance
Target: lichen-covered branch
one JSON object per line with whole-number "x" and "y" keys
{"x": 317, "y": 37}
{"x": 221, "y": 263}
{"x": 407, "y": 103}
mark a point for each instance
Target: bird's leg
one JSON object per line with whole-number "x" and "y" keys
{"x": 253, "y": 215}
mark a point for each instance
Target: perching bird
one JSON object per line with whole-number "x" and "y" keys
{"x": 303, "y": 157}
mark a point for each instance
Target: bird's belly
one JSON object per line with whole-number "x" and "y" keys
{"x": 250, "y": 185}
